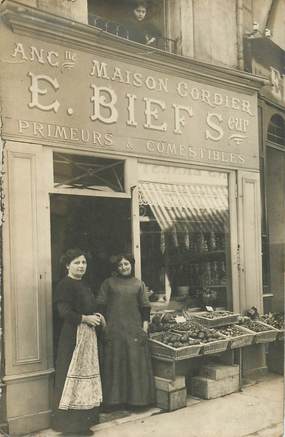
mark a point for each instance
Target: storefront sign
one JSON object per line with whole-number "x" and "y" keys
{"x": 55, "y": 95}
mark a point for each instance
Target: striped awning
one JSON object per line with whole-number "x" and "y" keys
{"x": 190, "y": 207}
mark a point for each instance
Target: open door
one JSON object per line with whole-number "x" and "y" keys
{"x": 99, "y": 225}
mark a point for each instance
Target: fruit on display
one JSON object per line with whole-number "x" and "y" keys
{"x": 274, "y": 319}
{"x": 202, "y": 333}
{"x": 254, "y": 326}
{"x": 185, "y": 326}
{"x": 231, "y": 331}
{"x": 215, "y": 314}
{"x": 163, "y": 321}
{"x": 177, "y": 340}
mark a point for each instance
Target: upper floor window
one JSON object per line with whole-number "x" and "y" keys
{"x": 140, "y": 21}
{"x": 276, "y": 130}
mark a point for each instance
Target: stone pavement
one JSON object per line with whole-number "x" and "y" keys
{"x": 256, "y": 411}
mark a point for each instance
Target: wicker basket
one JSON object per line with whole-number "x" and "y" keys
{"x": 229, "y": 319}
{"x": 266, "y": 336}
{"x": 162, "y": 350}
{"x": 242, "y": 340}
{"x": 214, "y": 347}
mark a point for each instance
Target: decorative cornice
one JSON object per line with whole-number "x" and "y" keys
{"x": 33, "y": 22}
{"x": 274, "y": 103}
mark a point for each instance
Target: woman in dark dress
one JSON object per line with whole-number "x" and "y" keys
{"x": 77, "y": 393}
{"x": 127, "y": 371}
{"x": 139, "y": 28}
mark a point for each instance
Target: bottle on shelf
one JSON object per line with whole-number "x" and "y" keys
{"x": 208, "y": 273}
{"x": 220, "y": 241}
{"x": 222, "y": 272}
{"x": 214, "y": 272}
{"x": 213, "y": 244}
{"x": 197, "y": 270}
{"x": 202, "y": 244}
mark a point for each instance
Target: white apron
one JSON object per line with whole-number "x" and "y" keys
{"x": 82, "y": 389}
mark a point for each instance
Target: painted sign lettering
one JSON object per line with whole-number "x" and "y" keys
{"x": 75, "y": 97}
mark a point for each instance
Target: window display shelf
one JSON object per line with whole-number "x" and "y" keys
{"x": 185, "y": 235}
{"x": 189, "y": 256}
{"x": 217, "y": 286}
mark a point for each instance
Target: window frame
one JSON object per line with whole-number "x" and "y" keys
{"x": 233, "y": 294}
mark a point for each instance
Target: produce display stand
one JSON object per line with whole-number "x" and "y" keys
{"x": 266, "y": 336}
{"x": 228, "y": 319}
{"x": 162, "y": 350}
{"x": 246, "y": 338}
{"x": 280, "y": 335}
{"x": 275, "y": 320}
{"x": 172, "y": 362}
{"x": 215, "y": 347}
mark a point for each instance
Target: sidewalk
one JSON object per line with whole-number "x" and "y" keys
{"x": 257, "y": 411}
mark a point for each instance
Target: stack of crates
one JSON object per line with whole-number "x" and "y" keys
{"x": 215, "y": 380}
{"x": 170, "y": 394}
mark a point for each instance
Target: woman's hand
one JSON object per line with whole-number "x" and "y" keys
{"x": 102, "y": 319}
{"x": 92, "y": 320}
{"x": 145, "y": 326}
{"x": 149, "y": 40}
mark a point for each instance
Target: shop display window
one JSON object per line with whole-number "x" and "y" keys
{"x": 88, "y": 172}
{"x": 185, "y": 235}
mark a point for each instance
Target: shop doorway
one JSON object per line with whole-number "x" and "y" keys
{"x": 100, "y": 225}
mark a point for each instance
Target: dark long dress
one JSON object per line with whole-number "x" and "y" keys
{"x": 73, "y": 298}
{"x": 127, "y": 376}
{"x": 141, "y": 31}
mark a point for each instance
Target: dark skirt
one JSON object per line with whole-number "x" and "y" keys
{"x": 74, "y": 421}
{"x": 127, "y": 370}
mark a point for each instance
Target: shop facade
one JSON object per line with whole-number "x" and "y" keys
{"x": 115, "y": 149}
{"x": 272, "y": 149}
{"x": 272, "y": 128}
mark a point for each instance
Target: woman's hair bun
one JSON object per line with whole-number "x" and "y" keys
{"x": 73, "y": 253}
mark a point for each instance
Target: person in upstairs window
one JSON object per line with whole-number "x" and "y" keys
{"x": 127, "y": 369}
{"x": 140, "y": 29}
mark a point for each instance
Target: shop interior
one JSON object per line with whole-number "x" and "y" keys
{"x": 185, "y": 240}
{"x": 99, "y": 225}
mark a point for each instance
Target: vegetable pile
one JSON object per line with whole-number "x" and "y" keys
{"x": 254, "y": 326}
{"x": 274, "y": 319}
{"x": 196, "y": 330}
{"x": 231, "y": 331}
{"x": 163, "y": 322}
{"x": 215, "y": 314}
{"x": 177, "y": 340}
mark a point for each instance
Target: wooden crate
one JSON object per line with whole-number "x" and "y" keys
{"x": 266, "y": 336}
{"x": 207, "y": 388}
{"x": 162, "y": 350}
{"x": 214, "y": 347}
{"x": 245, "y": 339}
{"x": 171, "y": 400}
{"x": 229, "y": 319}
